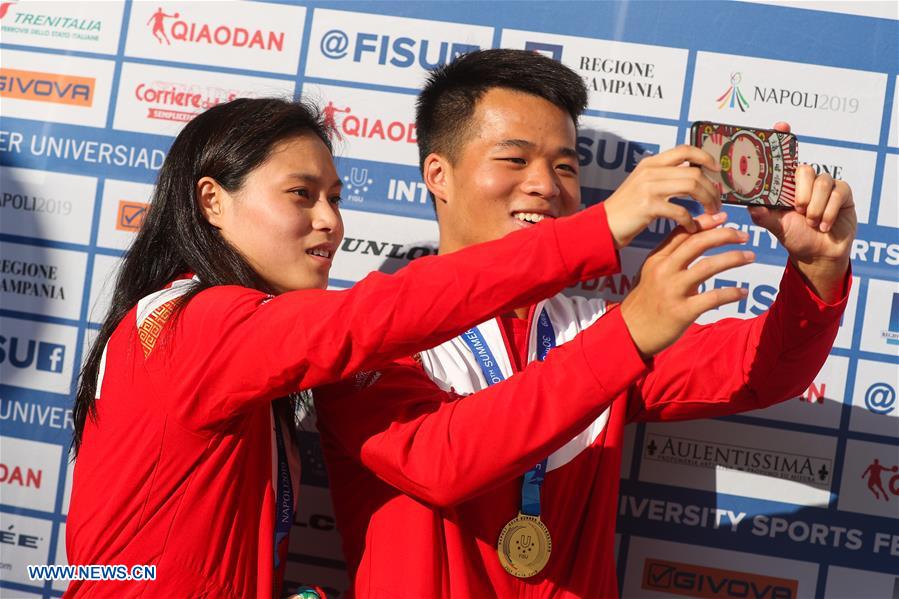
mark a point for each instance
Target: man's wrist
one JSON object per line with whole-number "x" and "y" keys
{"x": 826, "y": 277}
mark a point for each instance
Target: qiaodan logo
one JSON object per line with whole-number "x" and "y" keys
{"x": 874, "y": 473}
{"x": 733, "y": 97}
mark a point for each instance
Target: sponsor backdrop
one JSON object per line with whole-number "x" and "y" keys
{"x": 800, "y": 500}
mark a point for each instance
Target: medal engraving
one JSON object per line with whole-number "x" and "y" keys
{"x": 524, "y": 546}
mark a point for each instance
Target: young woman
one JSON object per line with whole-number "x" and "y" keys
{"x": 220, "y": 316}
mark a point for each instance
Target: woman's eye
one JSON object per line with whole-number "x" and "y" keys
{"x": 303, "y": 193}
{"x": 335, "y": 199}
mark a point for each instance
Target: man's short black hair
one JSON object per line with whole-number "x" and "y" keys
{"x": 445, "y": 106}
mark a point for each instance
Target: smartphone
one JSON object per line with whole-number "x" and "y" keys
{"x": 758, "y": 166}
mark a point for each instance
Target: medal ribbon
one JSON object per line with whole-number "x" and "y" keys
{"x": 284, "y": 515}
{"x": 546, "y": 340}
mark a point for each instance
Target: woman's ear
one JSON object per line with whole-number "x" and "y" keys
{"x": 437, "y": 175}
{"x": 211, "y": 197}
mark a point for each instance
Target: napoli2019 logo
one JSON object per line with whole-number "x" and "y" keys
{"x": 733, "y": 96}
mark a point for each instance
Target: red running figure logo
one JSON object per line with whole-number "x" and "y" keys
{"x": 157, "y": 19}
{"x": 875, "y": 483}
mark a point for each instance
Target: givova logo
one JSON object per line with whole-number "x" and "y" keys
{"x": 693, "y": 580}
{"x": 47, "y": 87}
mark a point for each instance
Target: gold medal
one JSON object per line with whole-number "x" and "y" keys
{"x": 524, "y": 546}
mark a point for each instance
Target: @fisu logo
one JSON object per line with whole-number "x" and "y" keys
{"x": 733, "y": 97}
{"x": 334, "y": 44}
{"x": 880, "y": 398}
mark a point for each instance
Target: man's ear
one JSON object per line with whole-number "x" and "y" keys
{"x": 211, "y": 197}
{"x": 437, "y": 174}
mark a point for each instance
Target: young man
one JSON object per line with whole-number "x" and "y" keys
{"x": 432, "y": 460}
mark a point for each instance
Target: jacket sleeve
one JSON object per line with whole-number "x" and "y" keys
{"x": 231, "y": 347}
{"x": 736, "y": 365}
{"x": 443, "y": 449}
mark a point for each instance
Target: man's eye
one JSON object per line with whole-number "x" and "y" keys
{"x": 567, "y": 167}
{"x": 303, "y": 193}
{"x": 521, "y": 161}
{"x": 335, "y": 200}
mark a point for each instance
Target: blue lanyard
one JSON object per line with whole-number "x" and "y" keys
{"x": 546, "y": 340}
{"x": 284, "y": 514}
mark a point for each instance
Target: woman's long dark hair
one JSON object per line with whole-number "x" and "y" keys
{"x": 225, "y": 143}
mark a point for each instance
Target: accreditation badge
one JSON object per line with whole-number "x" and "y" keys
{"x": 524, "y": 546}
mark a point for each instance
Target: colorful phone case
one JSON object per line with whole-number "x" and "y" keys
{"x": 758, "y": 166}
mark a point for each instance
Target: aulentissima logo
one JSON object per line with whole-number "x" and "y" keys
{"x": 700, "y": 453}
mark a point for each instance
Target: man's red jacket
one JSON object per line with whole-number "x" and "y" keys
{"x": 425, "y": 460}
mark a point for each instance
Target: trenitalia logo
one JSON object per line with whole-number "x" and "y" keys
{"x": 4, "y": 7}
{"x": 47, "y": 87}
{"x": 699, "y": 581}
{"x": 213, "y": 35}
